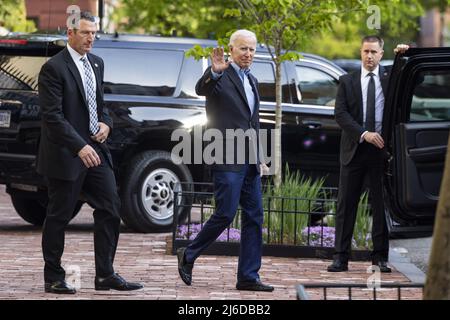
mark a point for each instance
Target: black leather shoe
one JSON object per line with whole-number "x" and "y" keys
{"x": 338, "y": 266}
{"x": 115, "y": 282}
{"x": 253, "y": 286}
{"x": 60, "y": 287}
{"x": 184, "y": 268}
{"x": 383, "y": 266}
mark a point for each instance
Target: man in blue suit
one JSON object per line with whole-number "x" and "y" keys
{"x": 232, "y": 103}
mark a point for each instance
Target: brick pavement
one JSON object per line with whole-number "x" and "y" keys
{"x": 142, "y": 257}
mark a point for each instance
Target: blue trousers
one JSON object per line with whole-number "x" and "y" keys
{"x": 230, "y": 190}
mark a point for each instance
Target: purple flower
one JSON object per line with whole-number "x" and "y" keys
{"x": 319, "y": 236}
{"x": 189, "y": 232}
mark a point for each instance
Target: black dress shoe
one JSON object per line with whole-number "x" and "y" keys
{"x": 338, "y": 266}
{"x": 253, "y": 286}
{"x": 115, "y": 282}
{"x": 60, "y": 287}
{"x": 184, "y": 268}
{"x": 383, "y": 266}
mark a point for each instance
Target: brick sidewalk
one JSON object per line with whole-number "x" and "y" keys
{"x": 142, "y": 257}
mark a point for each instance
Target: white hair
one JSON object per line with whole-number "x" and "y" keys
{"x": 241, "y": 33}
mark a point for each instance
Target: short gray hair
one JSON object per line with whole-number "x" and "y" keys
{"x": 241, "y": 33}
{"x": 86, "y": 15}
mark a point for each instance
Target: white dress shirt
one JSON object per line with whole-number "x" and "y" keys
{"x": 379, "y": 97}
{"x": 76, "y": 57}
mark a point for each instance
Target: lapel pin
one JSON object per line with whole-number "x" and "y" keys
{"x": 96, "y": 65}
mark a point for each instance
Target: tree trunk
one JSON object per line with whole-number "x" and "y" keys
{"x": 278, "y": 119}
{"x": 442, "y": 35}
{"x": 437, "y": 285}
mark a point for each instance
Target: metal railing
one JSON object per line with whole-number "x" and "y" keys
{"x": 290, "y": 224}
{"x": 355, "y": 291}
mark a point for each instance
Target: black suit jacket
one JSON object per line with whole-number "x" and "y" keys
{"x": 65, "y": 116}
{"x": 227, "y": 108}
{"x": 349, "y": 111}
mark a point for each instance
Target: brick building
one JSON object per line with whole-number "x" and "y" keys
{"x": 52, "y": 15}
{"x": 430, "y": 29}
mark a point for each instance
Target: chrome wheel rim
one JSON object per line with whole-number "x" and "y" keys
{"x": 157, "y": 193}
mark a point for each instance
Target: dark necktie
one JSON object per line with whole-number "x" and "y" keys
{"x": 370, "y": 111}
{"x": 91, "y": 96}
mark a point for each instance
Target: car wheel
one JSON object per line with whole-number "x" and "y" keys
{"x": 147, "y": 191}
{"x": 34, "y": 210}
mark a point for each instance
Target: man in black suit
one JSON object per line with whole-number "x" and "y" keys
{"x": 359, "y": 112}
{"x": 73, "y": 157}
{"x": 232, "y": 103}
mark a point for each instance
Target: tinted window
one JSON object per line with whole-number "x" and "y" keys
{"x": 264, "y": 72}
{"x": 20, "y": 72}
{"x": 192, "y": 71}
{"x": 141, "y": 72}
{"x": 316, "y": 87}
{"x": 431, "y": 96}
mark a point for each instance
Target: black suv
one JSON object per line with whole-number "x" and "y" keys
{"x": 149, "y": 90}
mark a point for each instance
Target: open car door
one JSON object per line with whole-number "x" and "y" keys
{"x": 416, "y": 130}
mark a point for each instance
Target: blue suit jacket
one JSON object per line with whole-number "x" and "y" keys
{"x": 227, "y": 108}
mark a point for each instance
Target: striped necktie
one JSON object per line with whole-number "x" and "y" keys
{"x": 91, "y": 96}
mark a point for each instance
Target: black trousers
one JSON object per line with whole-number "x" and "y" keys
{"x": 368, "y": 160}
{"x": 98, "y": 185}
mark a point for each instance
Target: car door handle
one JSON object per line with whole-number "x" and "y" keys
{"x": 426, "y": 154}
{"x": 311, "y": 124}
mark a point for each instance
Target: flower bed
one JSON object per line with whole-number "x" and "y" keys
{"x": 319, "y": 236}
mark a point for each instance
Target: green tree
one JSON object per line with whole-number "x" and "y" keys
{"x": 284, "y": 25}
{"x": 199, "y": 18}
{"x": 342, "y": 41}
{"x": 13, "y": 16}
{"x": 287, "y": 25}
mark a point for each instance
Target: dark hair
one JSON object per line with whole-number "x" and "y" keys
{"x": 373, "y": 39}
{"x": 86, "y": 15}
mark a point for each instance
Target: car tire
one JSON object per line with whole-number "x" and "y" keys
{"x": 147, "y": 191}
{"x": 33, "y": 210}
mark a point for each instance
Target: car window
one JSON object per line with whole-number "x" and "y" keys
{"x": 316, "y": 87}
{"x": 431, "y": 96}
{"x": 264, "y": 72}
{"x": 20, "y": 72}
{"x": 192, "y": 71}
{"x": 141, "y": 72}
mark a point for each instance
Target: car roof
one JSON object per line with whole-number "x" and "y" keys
{"x": 116, "y": 40}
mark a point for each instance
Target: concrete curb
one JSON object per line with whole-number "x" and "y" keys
{"x": 403, "y": 265}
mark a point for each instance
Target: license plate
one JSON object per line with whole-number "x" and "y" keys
{"x": 5, "y": 118}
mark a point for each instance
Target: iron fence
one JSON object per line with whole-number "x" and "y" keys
{"x": 355, "y": 291}
{"x": 293, "y": 227}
